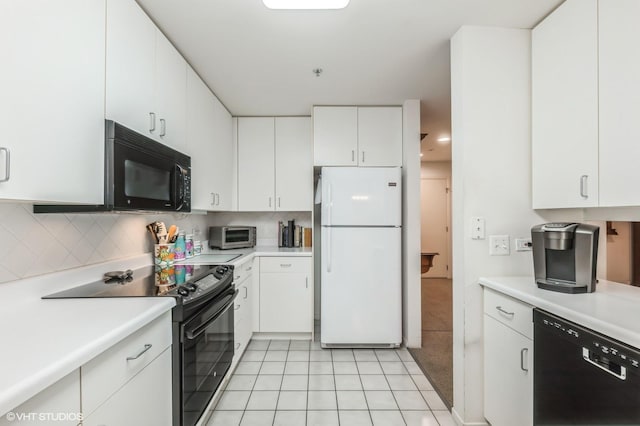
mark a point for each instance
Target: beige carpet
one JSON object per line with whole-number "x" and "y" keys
{"x": 436, "y": 355}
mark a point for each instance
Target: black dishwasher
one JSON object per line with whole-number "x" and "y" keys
{"x": 581, "y": 377}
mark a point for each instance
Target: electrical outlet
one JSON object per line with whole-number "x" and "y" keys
{"x": 477, "y": 228}
{"x": 523, "y": 244}
{"x": 499, "y": 245}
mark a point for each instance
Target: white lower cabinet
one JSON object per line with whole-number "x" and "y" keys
{"x": 144, "y": 400}
{"x": 61, "y": 401}
{"x": 130, "y": 383}
{"x": 243, "y": 306}
{"x": 286, "y": 294}
{"x": 508, "y": 361}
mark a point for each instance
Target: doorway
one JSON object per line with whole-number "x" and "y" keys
{"x": 436, "y": 354}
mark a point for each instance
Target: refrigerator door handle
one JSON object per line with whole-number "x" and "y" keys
{"x": 330, "y": 202}
{"x": 328, "y": 249}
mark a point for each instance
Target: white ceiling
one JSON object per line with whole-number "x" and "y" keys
{"x": 375, "y": 52}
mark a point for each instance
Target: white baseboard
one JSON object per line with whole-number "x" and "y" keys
{"x": 281, "y": 336}
{"x": 460, "y": 422}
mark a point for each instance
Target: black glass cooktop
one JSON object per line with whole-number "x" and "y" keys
{"x": 144, "y": 282}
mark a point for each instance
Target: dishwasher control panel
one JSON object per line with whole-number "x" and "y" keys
{"x": 598, "y": 348}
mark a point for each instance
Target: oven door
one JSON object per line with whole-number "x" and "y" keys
{"x": 207, "y": 352}
{"x": 145, "y": 179}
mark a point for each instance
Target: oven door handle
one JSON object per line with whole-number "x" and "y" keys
{"x": 196, "y": 331}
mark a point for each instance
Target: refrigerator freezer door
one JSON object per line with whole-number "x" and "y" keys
{"x": 361, "y": 287}
{"x": 361, "y": 196}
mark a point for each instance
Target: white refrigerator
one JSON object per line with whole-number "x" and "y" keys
{"x": 361, "y": 293}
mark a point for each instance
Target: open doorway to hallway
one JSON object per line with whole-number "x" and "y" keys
{"x": 435, "y": 357}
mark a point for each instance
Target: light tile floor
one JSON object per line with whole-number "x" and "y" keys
{"x": 297, "y": 383}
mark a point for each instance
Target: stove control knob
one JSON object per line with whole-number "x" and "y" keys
{"x": 191, "y": 287}
{"x": 183, "y": 291}
{"x": 220, "y": 270}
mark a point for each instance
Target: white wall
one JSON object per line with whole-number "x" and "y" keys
{"x": 411, "y": 291}
{"x": 35, "y": 244}
{"x": 435, "y": 170}
{"x": 490, "y": 178}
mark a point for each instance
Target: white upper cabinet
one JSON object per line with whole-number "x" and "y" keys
{"x": 379, "y": 136}
{"x": 256, "y": 163}
{"x": 275, "y": 171}
{"x": 52, "y": 101}
{"x": 619, "y": 32}
{"x": 209, "y": 139}
{"x": 357, "y": 136}
{"x": 565, "y": 107}
{"x": 171, "y": 93}
{"x": 335, "y": 136}
{"x": 146, "y": 76}
{"x": 130, "y": 84}
{"x": 294, "y": 164}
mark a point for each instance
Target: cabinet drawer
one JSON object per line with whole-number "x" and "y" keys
{"x": 242, "y": 271}
{"x": 514, "y": 314}
{"x": 300, "y": 265}
{"x": 106, "y": 373}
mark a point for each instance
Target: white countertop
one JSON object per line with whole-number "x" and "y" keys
{"x": 613, "y": 309}
{"x": 247, "y": 254}
{"x": 44, "y": 340}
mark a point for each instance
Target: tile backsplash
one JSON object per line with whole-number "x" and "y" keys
{"x": 35, "y": 244}
{"x": 266, "y": 223}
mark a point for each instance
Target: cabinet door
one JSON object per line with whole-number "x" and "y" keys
{"x": 224, "y": 168}
{"x": 294, "y": 164}
{"x": 619, "y": 102}
{"x": 201, "y": 142}
{"x": 285, "y": 303}
{"x": 61, "y": 397}
{"x": 52, "y": 101}
{"x": 565, "y": 107}
{"x": 144, "y": 400}
{"x": 130, "y": 80}
{"x": 379, "y": 136}
{"x": 170, "y": 94}
{"x": 508, "y": 375}
{"x": 256, "y": 174}
{"x": 335, "y": 136}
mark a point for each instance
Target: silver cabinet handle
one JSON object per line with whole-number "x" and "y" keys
{"x": 237, "y": 346}
{"x": 238, "y": 279}
{"x": 499, "y": 308}
{"x": 146, "y": 348}
{"x": 152, "y": 121}
{"x": 213, "y": 199}
{"x": 363, "y": 156}
{"x": 249, "y": 268}
{"x": 7, "y": 164}
{"x": 306, "y": 282}
{"x": 217, "y": 198}
{"x": 278, "y": 201}
{"x": 246, "y": 293}
{"x": 269, "y": 201}
{"x": 353, "y": 155}
{"x": 523, "y": 354}
{"x": 236, "y": 307}
{"x": 163, "y": 127}
{"x": 285, "y": 265}
{"x": 584, "y": 191}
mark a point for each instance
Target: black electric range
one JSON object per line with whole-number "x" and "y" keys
{"x": 202, "y": 325}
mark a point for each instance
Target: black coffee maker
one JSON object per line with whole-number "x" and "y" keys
{"x": 565, "y": 256}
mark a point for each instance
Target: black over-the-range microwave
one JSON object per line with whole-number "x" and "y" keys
{"x": 140, "y": 175}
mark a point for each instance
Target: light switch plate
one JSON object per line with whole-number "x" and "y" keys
{"x": 499, "y": 245}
